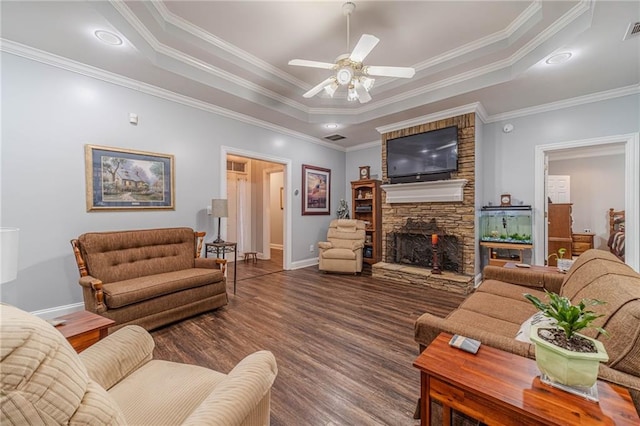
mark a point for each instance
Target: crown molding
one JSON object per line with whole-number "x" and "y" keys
{"x": 181, "y": 24}
{"x": 367, "y": 145}
{"x": 190, "y": 61}
{"x": 529, "y": 13}
{"x": 165, "y": 17}
{"x": 47, "y": 58}
{"x": 452, "y": 112}
{"x": 567, "y": 103}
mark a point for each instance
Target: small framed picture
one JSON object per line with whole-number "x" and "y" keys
{"x": 316, "y": 184}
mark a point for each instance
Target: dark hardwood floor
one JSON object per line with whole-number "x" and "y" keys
{"x": 343, "y": 343}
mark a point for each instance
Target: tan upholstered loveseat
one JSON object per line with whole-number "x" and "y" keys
{"x": 342, "y": 252}
{"x": 148, "y": 277}
{"x": 496, "y": 311}
{"x": 116, "y": 381}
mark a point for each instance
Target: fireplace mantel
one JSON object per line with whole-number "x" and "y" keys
{"x": 425, "y": 192}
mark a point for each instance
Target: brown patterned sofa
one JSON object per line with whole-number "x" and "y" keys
{"x": 148, "y": 277}
{"x": 117, "y": 382}
{"x": 497, "y": 310}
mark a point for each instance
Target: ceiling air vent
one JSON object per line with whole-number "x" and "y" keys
{"x": 334, "y": 137}
{"x": 632, "y": 31}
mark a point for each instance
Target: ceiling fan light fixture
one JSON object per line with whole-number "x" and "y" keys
{"x": 331, "y": 88}
{"x": 352, "y": 95}
{"x": 344, "y": 75}
{"x": 367, "y": 82}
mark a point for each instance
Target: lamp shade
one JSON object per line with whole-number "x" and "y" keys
{"x": 8, "y": 254}
{"x": 219, "y": 208}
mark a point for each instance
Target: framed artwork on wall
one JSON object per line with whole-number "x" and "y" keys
{"x": 123, "y": 179}
{"x": 316, "y": 184}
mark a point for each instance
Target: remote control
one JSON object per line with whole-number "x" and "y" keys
{"x": 465, "y": 343}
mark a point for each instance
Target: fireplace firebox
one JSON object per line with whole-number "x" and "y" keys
{"x": 411, "y": 244}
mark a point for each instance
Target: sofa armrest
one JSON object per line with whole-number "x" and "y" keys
{"x": 427, "y": 328}
{"x": 94, "y": 286}
{"x": 239, "y": 394}
{"x": 211, "y": 263}
{"x": 118, "y": 355}
{"x": 522, "y": 277}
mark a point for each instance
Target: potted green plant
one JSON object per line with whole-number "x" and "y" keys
{"x": 562, "y": 354}
{"x": 563, "y": 264}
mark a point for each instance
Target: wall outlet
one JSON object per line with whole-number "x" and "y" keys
{"x": 587, "y": 230}
{"x": 311, "y": 248}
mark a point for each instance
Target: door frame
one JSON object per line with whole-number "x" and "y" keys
{"x": 631, "y": 143}
{"x": 287, "y": 179}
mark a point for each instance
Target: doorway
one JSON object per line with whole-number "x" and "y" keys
{"x": 254, "y": 203}
{"x": 631, "y": 151}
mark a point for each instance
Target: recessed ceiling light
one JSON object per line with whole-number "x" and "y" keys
{"x": 108, "y": 37}
{"x": 559, "y": 58}
{"x": 331, "y": 126}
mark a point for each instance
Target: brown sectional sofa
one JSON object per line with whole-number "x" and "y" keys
{"x": 497, "y": 309}
{"x": 148, "y": 277}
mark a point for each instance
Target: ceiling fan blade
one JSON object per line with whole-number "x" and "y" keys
{"x": 363, "y": 95}
{"x": 402, "y": 72}
{"x": 365, "y": 45}
{"x": 311, "y": 64}
{"x": 311, "y": 93}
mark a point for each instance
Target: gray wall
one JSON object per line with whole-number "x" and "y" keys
{"x": 508, "y": 164}
{"x": 49, "y": 114}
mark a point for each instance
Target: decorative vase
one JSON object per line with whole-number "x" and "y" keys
{"x": 577, "y": 369}
{"x": 564, "y": 264}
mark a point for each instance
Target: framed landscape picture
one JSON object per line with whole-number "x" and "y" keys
{"x": 123, "y": 179}
{"x": 316, "y": 186}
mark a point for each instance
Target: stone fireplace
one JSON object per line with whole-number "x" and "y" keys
{"x": 411, "y": 214}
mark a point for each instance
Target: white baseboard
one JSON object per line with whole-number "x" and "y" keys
{"x": 304, "y": 263}
{"x": 57, "y": 311}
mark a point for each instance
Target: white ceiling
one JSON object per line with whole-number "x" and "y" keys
{"x": 234, "y": 54}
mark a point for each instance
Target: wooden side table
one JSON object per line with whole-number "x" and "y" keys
{"x": 498, "y": 387}
{"x": 83, "y": 328}
{"x": 220, "y": 249}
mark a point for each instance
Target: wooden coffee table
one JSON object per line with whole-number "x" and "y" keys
{"x": 83, "y": 328}
{"x": 498, "y": 387}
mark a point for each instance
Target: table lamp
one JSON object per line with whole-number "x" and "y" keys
{"x": 219, "y": 210}
{"x": 8, "y": 254}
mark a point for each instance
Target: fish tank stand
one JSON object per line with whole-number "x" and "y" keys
{"x": 502, "y": 253}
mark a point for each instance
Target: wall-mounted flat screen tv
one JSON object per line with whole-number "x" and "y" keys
{"x": 423, "y": 156}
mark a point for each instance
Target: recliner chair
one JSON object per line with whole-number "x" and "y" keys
{"x": 116, "y": 381}
{"x": 342, "y": 252}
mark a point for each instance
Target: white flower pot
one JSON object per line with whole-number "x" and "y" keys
{"x": 568, "y": 367}
{"x": 564, "y": 264}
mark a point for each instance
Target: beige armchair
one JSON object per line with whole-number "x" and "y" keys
{"x": 116, "y": 381}
{"x": 342, "y": 252}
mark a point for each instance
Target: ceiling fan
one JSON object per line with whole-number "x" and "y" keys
{"x": 350, "y": 71}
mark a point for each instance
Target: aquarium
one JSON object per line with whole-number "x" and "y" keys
{"x": 506, "y": 224}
